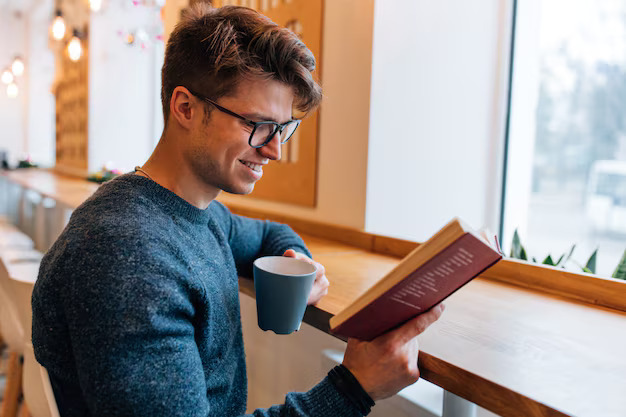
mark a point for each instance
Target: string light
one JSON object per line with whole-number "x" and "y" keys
{"x": 12, "y": 90}
{"x": 74, "y": 48}
{"x": 58, "y": 26}
{"x": 95, "y": 5}
{"x": 7, "y": 76}
{"x": 17, "y": 67}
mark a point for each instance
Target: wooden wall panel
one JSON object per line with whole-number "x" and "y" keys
{"x": 294, "y": 179}
{"x": 72, "y": 112}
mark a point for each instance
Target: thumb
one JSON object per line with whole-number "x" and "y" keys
{"x": 290, "y": 253}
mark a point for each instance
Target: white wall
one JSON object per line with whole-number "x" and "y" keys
{"x": 12, "y": 110}
{"x": 40, "y": 134}
{"x": 435, "y": 119}
{"x": 123, "y": 123}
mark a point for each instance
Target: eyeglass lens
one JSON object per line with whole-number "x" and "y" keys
{"x": 264, "y": 131}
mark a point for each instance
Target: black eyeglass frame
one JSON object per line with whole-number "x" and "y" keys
{"x": 278, "y": 127}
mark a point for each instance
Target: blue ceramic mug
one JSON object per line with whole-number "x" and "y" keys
{"x": 282, "y": 286}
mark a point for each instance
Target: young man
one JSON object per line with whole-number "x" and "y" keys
{"x": 136, "y": 310}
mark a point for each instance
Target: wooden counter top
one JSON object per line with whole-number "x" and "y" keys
{"x": 69, "y": 191}
{"x": 513, "y": 350}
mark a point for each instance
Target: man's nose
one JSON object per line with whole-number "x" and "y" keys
{"x": 272, "y": 149}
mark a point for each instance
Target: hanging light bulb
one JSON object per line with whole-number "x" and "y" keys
{"x": 7, "y": 76}
{"x": 95, "y": 5}
{"x": 74, "y": 48}
{"x": 12, "y": 90}
{"x": 17, "y": 67}
{"x": 58, "y": 26}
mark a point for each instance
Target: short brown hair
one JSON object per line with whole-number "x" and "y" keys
{"x": 211, "y": 49}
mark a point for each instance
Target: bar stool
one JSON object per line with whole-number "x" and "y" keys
{"x": 6, "y": 225}
{"x": 18, "y": 273}
{"x": 15, "y": 255}
{"x": 38, "y": 394}
{"x": 11, "y": 238}
{"x": 13, "y": 335}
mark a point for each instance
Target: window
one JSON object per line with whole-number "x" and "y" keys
{"x": 566, "y": 168}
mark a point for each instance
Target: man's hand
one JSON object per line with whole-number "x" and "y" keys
{"x": 320, "y": 286}
{"x": 389, "y": 363}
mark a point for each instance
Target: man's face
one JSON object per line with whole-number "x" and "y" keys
{"x": 219, "y": 153}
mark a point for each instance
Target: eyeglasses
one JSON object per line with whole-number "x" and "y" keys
{"x": 262, "y": 132}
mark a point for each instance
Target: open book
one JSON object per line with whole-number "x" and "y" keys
{"x": 425, "y": 277}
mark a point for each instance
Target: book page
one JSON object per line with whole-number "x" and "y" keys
{"x": 428, "y": 281}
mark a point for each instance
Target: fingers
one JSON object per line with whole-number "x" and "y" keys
{"x": 290, "y": 253}
{"x": 418, "y": 325}
{"x": 320, "y": 276}
{"x": 319, "y": 290}
{"x": 321, "y": 283}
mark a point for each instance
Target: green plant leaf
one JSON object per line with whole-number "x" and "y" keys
{"x": 516, "y": 246}
{"x": 534, "y": 259}
{"x": 548, "y": 260}
{"x": 569, "y": 255}
{"x": 587, "y": 270}
{"x": 620, "y": 271}
{"x": 559, "y": 261}
{"x": 517, "y": 250}
{"x": 523, "y": 255}
{"x": 571, "y": 251}
{"x": 591, "y": 263}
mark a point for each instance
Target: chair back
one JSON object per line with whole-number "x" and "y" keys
{"x": 22, "y": 282}
{"x": 10, "y": 323}
{"x": 15, "y": 239}
{"x": 15, "y": 255}
{"x": 37, "y": 390}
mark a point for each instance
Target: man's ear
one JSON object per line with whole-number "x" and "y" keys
{"x": 183, "y": 107}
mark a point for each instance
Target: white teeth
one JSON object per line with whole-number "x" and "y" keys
{"x": 254, "y": 167}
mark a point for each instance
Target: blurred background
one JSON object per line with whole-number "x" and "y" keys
{"x": 508, "y": 114}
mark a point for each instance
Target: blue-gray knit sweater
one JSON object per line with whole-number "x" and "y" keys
{"x": 136, "y": 309}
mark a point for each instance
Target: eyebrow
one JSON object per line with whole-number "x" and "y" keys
{"x": 262, "y": 118}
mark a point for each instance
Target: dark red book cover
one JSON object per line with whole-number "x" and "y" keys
{"x": 421, "y": 290}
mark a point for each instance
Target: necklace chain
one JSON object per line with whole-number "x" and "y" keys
{"x": 139, "y": 169}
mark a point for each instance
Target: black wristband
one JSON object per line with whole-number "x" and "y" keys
{"x": 347, "y": 384}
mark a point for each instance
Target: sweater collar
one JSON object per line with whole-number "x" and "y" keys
{"x": 166, "y": 198}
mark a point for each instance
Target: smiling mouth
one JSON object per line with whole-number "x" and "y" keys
{"x": 254, "y": 167}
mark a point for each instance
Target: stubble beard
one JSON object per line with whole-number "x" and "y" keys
{"x": 208, "y": 171}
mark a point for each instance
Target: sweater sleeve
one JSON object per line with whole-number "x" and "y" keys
{"x": 321, "y": 401}
{"x": 250, "y": 238}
